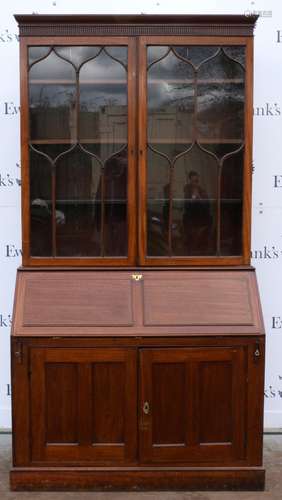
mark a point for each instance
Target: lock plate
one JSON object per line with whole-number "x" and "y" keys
{"x": 146, "y": 408}
{"x": 137, "y": 277}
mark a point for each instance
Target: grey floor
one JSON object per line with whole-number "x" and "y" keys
{"x": 272, "y": 461}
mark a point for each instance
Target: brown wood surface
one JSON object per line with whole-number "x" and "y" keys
{"x": 191, "y": 435}
{"x": 172, "y": 302}
{"x": 196, "y": 400}
{"x": 91, "y": 346}
{"x": 68, "y": 385}
{"x": 199, "y": 479}
{"x": 109, "y": 25}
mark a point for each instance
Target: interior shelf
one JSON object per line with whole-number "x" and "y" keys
{"x": 197, "y": 81}
{"x": 150, "y": 81}
{"x": 194, "y": 200}
{"x": 187, "y": 141}
{"x": 82, "y": 141}
{"x": 73, "y": 82}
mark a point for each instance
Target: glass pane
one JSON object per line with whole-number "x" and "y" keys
{"x": 40, "y": 205}
{"x": 232, "y": 205}
{"x": 156, "y": 52}
{"x": 35, "y": 53}
{"x": 52, "y": 96}
{"x": 77, "y": 180}
{"x": 87, "y": 145}
{"x": 77, "y": 55}
{"x": 236, "y": 52}
{"x": 220, "y": 99}
{"x": 115, "y": 196}
{"x": 158, "y": 176}
{"x": 52, "y": 67}
{"x": 220, "y": 112}
{"x": 196, "y": 54}
{"x": 103, "y": 99}
{"x": 170, "y": 99}
{"x": 194, "y": 206}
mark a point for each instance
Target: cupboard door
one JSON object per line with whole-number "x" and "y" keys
{"x": 192, "y": 137}
{"x": 83, "y": 405}
{"x": 81, "y": 122}
{"x": 192, "y": 405}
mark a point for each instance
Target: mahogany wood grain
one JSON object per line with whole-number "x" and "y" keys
{"x": 61, "y": 386}
{"x": 159, "y": 479}
{"x": 91, "y": 344}
{"x": 239, "y": 352}
{"x": 248, "y": 166}
{"x": 60, "y": 381}
{"x": 174, "y": 302}
{"x": 25, "y": 185}
{"x": 217, "y": 405}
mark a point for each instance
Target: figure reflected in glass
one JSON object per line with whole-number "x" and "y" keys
{"x": 196, "y": 216}
{"x": 114, "y": 232}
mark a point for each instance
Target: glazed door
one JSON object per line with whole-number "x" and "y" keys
{"x": 79, "y": 147}
{"x": 192, "y": 405}
{"x": 83, "y": 405}
{"x": 194, "y": 153}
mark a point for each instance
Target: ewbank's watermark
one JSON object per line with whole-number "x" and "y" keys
{"x": 260, "y": 13}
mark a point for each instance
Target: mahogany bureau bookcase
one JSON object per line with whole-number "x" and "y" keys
{"x": 137, "y": 338}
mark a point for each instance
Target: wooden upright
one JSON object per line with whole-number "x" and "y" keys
{"x": 137, "y": 338}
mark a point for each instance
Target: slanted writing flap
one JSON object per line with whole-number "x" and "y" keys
{"x": 158, "y": 303}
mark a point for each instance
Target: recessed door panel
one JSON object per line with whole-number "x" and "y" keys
{"x": 192, "y": 405}
{"x": 83, "y": 405}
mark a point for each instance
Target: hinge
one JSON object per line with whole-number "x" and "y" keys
{"x": 18, "y": 352}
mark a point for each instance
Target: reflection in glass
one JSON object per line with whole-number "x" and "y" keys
{"x": 52, "y": 111}
{"x": 52, "y": 95}
{"x": 35, "y": 53}
{"x": 195, "y": 100}
{"x": 237, "y": 53}
{"x": 220, "y": 98}
{"x": 158, "y": 176}
{"x": 232, "y": 204}
{"x": 52, "y": 68}
{"x": 170, "y": 99}
{"x": 195, "y": 203}
{"x": 113, "y": 189}
{"x": 77, "y": 55}
{"x": 78, "y": 97}
{"x": 40, "y": 205}
{"x": 196, "y": 54}
{"x": 221, "y": 111}
{"x": 103, "y": 106}
{"x": 77, "y": 178}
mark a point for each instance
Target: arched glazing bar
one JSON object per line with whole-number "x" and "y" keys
{"x": 63, "y": 66}
{"x": 204, "y": 63}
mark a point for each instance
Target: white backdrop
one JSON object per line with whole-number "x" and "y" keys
{"x": 267, "y": 178}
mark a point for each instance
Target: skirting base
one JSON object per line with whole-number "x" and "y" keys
{"x": 132, "y": 479}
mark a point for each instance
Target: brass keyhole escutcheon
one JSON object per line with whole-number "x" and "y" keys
{"x": 146, "y": 408}
{"x": 137, "y": 277}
